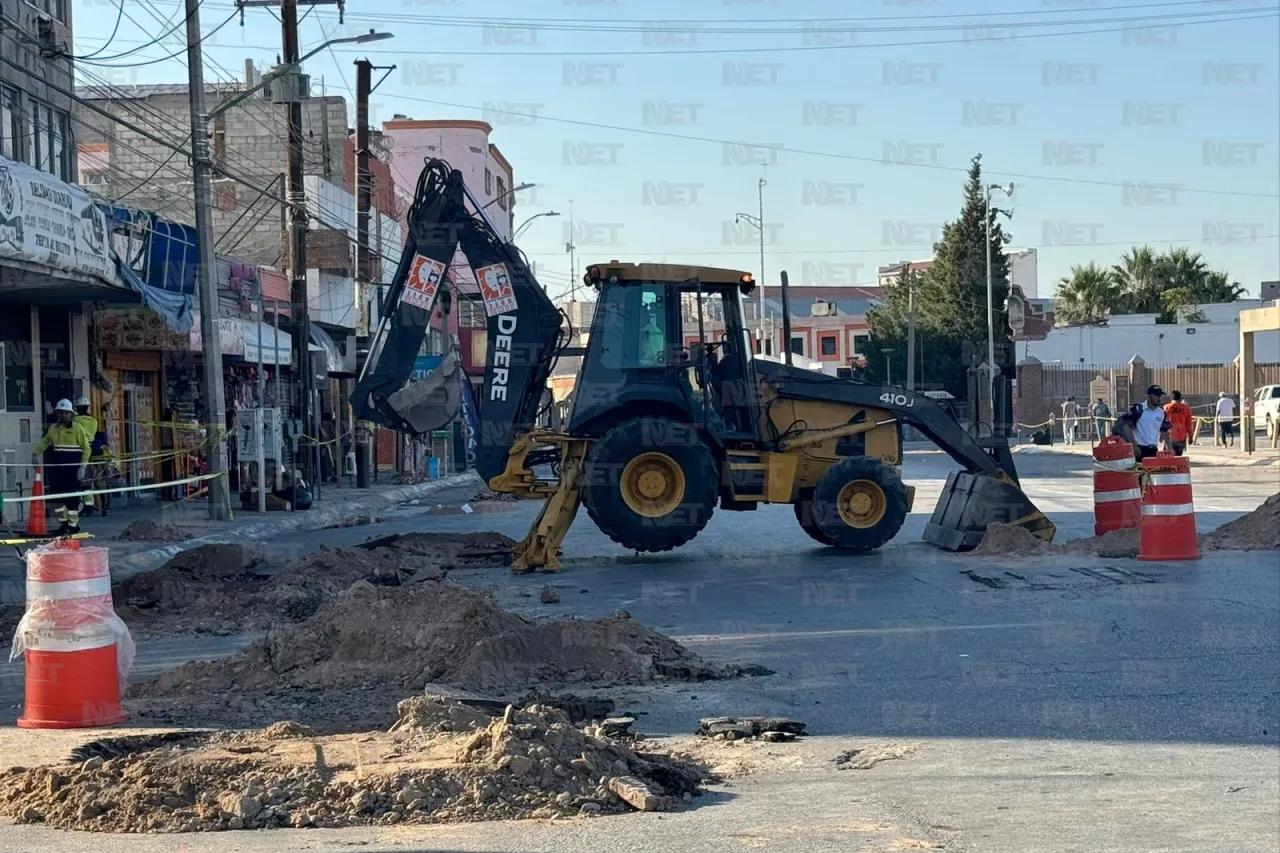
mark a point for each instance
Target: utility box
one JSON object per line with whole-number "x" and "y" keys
{"x": 253, "y": 423}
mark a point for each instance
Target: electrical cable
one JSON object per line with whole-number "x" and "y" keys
{"x": 182, "y": 51}
{"x": 114, "y": 30}
{"x": 156, "y": 40}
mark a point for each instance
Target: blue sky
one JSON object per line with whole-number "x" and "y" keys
{"x": 1111, "y": 117}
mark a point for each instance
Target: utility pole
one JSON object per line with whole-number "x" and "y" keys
{"x": 364, "y": 85}
{"x": 760, "y": 283}
{"x": 297, "y": 225}
{"x": 911, "y": 325}
{"x": 573, "y": 261}
{"x": 214, "y": 394}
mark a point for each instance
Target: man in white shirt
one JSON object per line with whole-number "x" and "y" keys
{"x": 1226, "y": 414}
{"x": 1146, "y": 424}
{"x": 1070, "y": 417}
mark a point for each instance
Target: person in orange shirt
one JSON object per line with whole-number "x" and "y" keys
{"x": 1181, "y": 423}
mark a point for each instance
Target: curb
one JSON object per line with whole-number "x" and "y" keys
{"x": 1202, "y": 461}
{"x": 312, "y": 519}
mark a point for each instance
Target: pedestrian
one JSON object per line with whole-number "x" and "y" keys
{"x": 89, "y": 424}
{"x": 1070, "y": 416}
{"x": 1181, "y": 423}
{"x": 328, "y": 446}
{"x": 168, "y": 455}
{"x": 1226, "y": 415}
{"x": 65, "y": 451}
{"x": 1101, "y": 413}
{"x": 1146, "y": 424}
{"x": 101, "y": 462}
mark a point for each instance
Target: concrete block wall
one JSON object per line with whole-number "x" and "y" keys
{"x": 248, "y": 140}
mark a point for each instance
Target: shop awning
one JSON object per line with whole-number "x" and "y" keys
{"x": 241, "y": 338}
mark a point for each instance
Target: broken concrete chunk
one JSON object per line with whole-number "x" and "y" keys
{"x": 616, "y": 726}
{"x": 736, "y": 728}
{"x": 549, "y": 595}
{"x": 635, "y": 793}
{"x": 777, "y": 737}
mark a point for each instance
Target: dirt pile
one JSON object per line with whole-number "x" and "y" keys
{"x": 371, "y": 643}
{"x": 146, "y": 530}
{"x": 525, "y": 764}
{"x": 225, "y": 589}
{"x": 199, "y": 589}
{"x": 1256, "y": 531}
{"x": 1010, "y": 540}
{"x": 1114, "y": 543}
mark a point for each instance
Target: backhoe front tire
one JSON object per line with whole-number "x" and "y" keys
{"x": 804, "y": 515}
{"x": 859, "y": 504}
{"x": 651, "y": 484}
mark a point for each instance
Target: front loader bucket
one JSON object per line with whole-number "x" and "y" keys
{"x": 970, "y": 502}
{"x": 432, "y": 402}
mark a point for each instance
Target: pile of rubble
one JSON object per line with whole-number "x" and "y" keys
{"x": 224, "y": 589}
{"x": 529, "y": 763}
{"x": 146, "y": 530}
{"x": 371, "y": 645}
{"x": 1255, "y": 531}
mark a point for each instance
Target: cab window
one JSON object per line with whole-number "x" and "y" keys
{"x": 633, "y": 326}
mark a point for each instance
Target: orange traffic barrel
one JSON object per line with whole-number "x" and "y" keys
{"x": 77, "y": 651}
{"x": 1117, "y": 496}
{"x": 1168, "y": 529}
{"x": 36, "y": 524}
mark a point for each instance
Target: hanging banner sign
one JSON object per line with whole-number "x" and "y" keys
{"x": 49, "y": 222}
{"x": 423, "y": 282}
{"x": 495, "y": 290}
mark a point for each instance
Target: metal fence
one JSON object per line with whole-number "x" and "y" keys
{"x": 1061, "y": 382}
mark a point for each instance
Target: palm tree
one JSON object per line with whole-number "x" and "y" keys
{"x": 1139, "y": 277}
{"x": 1089, "y": 295}
{"x": 1218, "y": 287}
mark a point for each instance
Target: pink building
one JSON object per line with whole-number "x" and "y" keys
{"x": 464, "y": 145}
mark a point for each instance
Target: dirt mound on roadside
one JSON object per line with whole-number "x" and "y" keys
{"x": 1114, "y": 543}
{"x": 1002, "y": 540}
{"x": 525, "y": 764}
{"x": 1256, "y": 531}
{"x": 226, "y": 589}
{"x": 146, "y": 530}
{"x": 371, "y": 642}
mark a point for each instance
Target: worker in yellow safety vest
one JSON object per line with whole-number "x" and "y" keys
{"x": 89, "y": 424}
{"x": 65, "y": 450}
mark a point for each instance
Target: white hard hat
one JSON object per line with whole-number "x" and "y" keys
{"x": 82, "y": 402}
{"x": 64, "y": 406}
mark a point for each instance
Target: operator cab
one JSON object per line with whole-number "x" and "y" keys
{"x": 669, "y": 339}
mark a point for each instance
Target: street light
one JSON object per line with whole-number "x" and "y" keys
{"x": 888, "y": 368}
{"x": 520, "y": 188}
{"x": 525, "y": 224}
{"x": 991, "y": 312}
{"x": 758, "y": 222}
{"x": 283, "y": 70}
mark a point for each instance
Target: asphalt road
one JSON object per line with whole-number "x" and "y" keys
{"x": 1073, "y": 704}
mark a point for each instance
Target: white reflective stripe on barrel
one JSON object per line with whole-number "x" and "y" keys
{"x": 1122, "y": 495}
{"x": 1168, "y": 509}
{"x": 1116, "y": 464}
{"x": 1171, "y": 479}
{"x": 68, "y": 590}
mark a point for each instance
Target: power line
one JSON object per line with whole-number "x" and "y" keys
{"x": 884, "y": 249}
{"x": 809, "y": 152}
{"x": 1184, "y": 19}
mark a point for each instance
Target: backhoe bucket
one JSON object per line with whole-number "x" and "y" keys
{"x": 432, "y": 402}
{"x": 970, "y": 502}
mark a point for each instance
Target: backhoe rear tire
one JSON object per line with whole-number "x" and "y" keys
{"x": 651, "y": 484}
{"x": 804, "y": 515}
{"x": 859, "y": 503}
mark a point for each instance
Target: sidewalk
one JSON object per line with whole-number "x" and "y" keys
{"x": 1199, "y": 454}
{"x": 334, "y": 505}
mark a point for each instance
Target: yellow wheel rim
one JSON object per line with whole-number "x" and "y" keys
{"x": 653, "y": 485}
{"x": 862, "y": 504}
